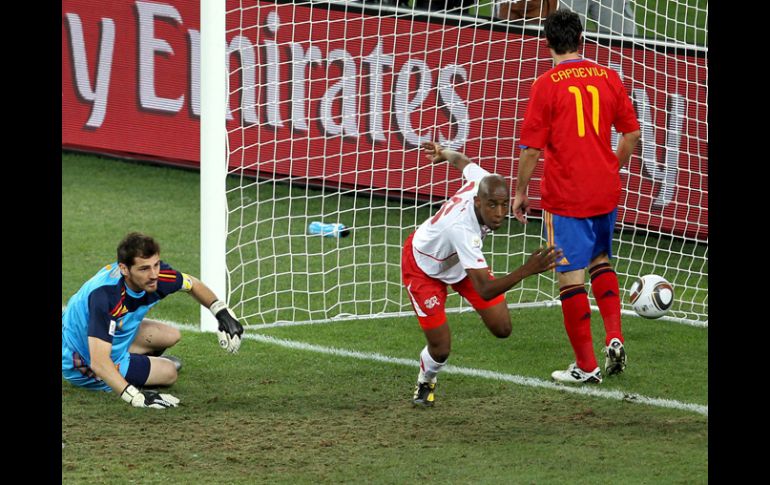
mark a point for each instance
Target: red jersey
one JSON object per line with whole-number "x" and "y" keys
{"x": 571, "y": 110}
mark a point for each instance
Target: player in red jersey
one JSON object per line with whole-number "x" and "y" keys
{"x": 446, "y": 251}
{"x": 571, "y": 111}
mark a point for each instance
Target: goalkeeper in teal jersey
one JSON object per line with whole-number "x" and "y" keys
{"x": 108, "y": 344}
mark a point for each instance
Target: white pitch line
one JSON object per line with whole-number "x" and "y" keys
{"x": 468, "y": 371}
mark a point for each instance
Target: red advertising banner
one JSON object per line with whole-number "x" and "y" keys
{"x": 344, "y": 98}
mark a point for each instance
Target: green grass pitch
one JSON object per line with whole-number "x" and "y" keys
{"x": 299, "y": 413}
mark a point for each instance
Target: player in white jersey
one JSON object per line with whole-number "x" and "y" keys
{"x": 446, "y": 250}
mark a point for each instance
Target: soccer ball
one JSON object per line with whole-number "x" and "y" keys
{"x": 651, "y": 296}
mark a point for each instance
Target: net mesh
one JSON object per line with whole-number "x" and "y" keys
{"x": 329, "y": 102}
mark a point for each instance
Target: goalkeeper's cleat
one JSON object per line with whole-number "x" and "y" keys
{"x": 423, "y": 394}
{"x": 176, "y": 360}
{"x": 616, "y": 357}
{"x": 576, "y": 375}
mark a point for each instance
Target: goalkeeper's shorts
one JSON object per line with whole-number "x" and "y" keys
{"x": 428, "y": 295}
{"x": 135, "y": 368}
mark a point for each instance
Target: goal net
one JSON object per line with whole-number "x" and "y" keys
{"x": 328, "y": 105}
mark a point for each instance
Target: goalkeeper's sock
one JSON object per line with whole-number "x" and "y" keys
{"x": 604, "y": 286}
{"x": 577, "y": 322}
{"x": 428, "y": 367}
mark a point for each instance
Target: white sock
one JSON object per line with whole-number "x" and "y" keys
{"x": 428, "y": 367}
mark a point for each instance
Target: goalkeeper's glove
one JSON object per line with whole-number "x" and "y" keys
{"x": 147, "y": 398}
{"x": 230, "y": 329}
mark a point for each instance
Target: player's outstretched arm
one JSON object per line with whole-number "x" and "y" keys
{"x": 437, "y": 154}
{"x": 541, "y": 260}
{"x": 230, "y": 329}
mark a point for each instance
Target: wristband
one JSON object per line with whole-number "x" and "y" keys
{"x": 217, "y": 306}
{"x": 129, "y": 393}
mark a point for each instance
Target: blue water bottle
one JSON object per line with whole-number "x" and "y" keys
{"x": 328, "y": 230}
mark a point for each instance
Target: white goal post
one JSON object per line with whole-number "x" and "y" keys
{"x": 213, "y": 149}
{"x": 327, "y": 103}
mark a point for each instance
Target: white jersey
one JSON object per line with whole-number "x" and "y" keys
{"x": 450, "y": 241}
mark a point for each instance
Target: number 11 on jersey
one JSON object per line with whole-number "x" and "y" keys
{"x": 581, "y": 125}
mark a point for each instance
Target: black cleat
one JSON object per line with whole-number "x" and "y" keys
{"x": 176, "y": 360}
{"x": 423, "y": 394}
{"x": 616, "y": 357}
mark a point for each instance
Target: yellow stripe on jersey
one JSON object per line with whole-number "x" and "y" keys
{"x": 169, "y": 275}
{"x": 120, "y": 311}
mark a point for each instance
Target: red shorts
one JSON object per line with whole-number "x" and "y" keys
{"x": 428, "y": 295}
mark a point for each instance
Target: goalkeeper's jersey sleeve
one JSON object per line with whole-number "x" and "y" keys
{"x": 107, "y": 309}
